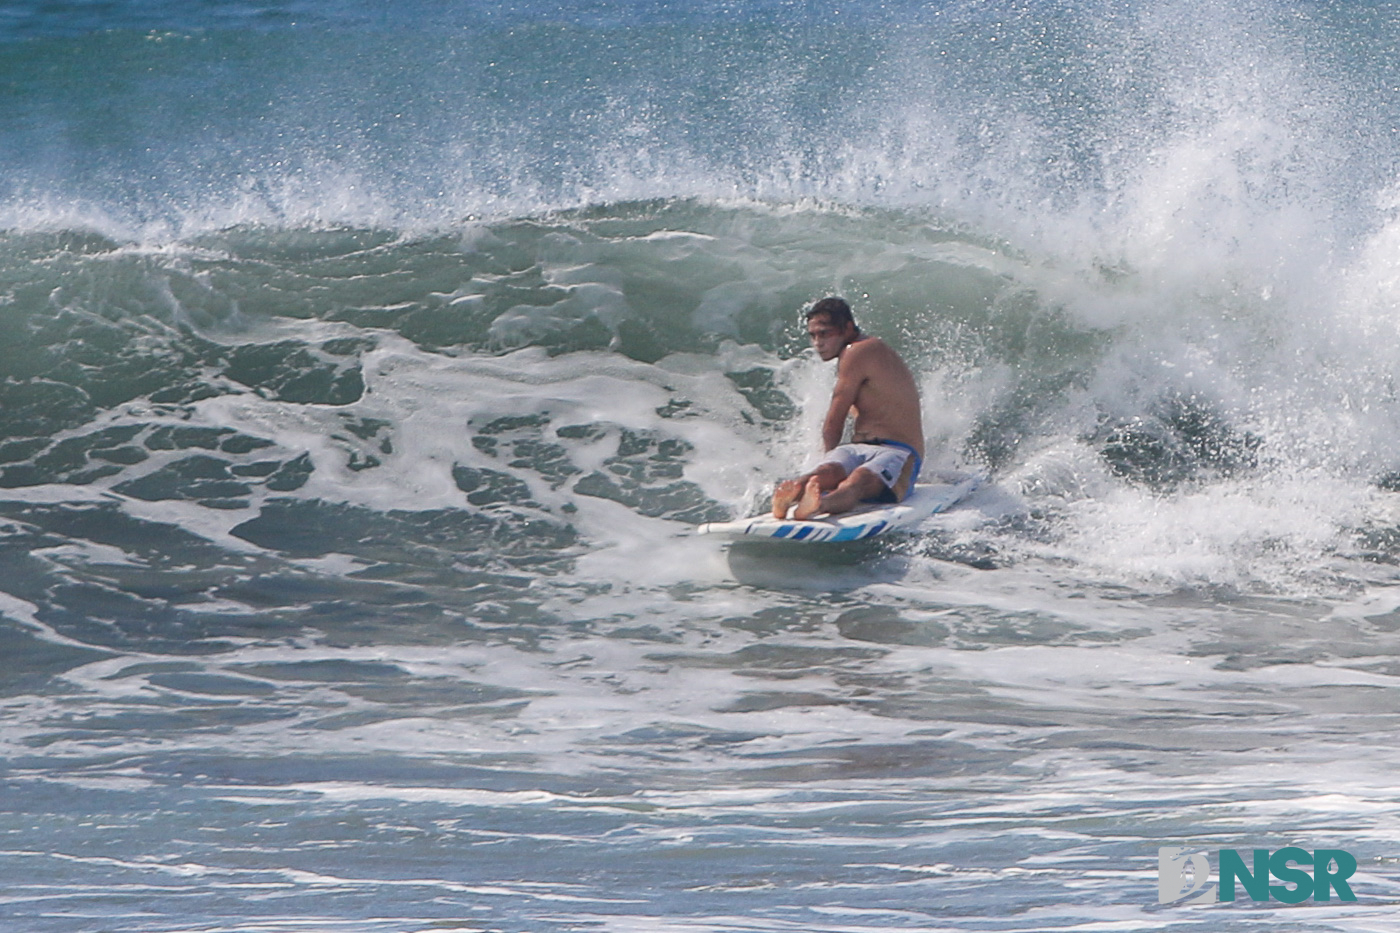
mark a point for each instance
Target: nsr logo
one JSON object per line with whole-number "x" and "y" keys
{"x": 1330, "y": 870}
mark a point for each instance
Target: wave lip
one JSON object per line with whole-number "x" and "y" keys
{"x": 1126, "y": 130}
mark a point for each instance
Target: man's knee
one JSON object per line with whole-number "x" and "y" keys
{"x": 865, "y": 482}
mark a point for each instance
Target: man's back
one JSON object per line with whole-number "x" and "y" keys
{"x": 887, "y": 396}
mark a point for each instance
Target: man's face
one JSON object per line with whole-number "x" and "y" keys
{"x": 827, "y": 339}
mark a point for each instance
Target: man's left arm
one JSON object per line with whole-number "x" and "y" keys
{"x": 850, "y": 375}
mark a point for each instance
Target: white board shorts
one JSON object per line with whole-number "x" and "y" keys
{"x": 885, "y": 459}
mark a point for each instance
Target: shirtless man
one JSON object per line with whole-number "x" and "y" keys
{"x": 887, "y": 446}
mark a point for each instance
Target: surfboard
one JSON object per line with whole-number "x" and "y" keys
{"x": 866, "y": 522}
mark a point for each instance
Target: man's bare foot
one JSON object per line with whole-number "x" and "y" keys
{"x": 811, "y": 501}
{"x": 784, "y": 496}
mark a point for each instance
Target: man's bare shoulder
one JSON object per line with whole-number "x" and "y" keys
{"x": 870, "y": 351}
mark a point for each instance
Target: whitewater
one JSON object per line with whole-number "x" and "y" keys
{"x": 366, "y": 369}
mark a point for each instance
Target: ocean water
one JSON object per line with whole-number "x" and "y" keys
{"x": 364, "y": 370}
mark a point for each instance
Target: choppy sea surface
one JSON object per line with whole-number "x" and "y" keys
{"x": 365, "y": 369}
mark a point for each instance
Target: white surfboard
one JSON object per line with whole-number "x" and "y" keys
{"x": 864, "y": 522}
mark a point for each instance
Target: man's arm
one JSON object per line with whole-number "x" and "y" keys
{"x": 850, "y": 375}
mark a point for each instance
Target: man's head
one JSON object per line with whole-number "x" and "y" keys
{"x": 831, "y": 327}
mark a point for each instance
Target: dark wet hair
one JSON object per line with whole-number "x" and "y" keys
{"x": 836, "y": 311}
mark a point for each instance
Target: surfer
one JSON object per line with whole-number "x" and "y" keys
{"x": 886, "y": 450}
